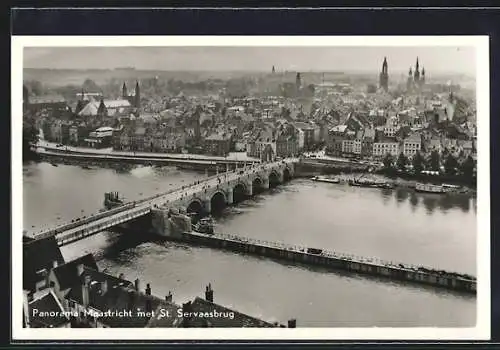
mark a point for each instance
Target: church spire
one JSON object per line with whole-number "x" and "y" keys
{"x": 137, "y": 95}
{"x": 124, "y": 90}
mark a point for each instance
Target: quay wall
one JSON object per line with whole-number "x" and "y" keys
{"x": 308, "y": 256}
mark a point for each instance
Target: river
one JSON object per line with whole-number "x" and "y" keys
{"x": 396, "y": 225}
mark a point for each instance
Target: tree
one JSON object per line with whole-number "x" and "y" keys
{"x": 90, "y": 86}
{"x": 435, "y": 161}
{"x": 402, "y": 161}
{"x": 467, "y": 167}
{"x": 418, "y": 163}
{"x": 450, "y": 165}
{"x": 388, "y": 160}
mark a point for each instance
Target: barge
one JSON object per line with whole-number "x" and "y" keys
{"x": 325, "y": 179}
{"x": 429, "y": 188}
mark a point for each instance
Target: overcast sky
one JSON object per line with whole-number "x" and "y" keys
{"x": 434, "y": 59}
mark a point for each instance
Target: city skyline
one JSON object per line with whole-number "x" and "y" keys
{"x": 439, "y": 60}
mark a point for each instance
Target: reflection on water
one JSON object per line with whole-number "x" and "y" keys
{"x": 397, "y": 225}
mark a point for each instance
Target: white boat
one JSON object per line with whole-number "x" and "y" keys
{"x": 429, "y": 188}
{"x": 325, "y": 179}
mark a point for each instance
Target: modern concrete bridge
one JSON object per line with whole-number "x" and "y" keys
{"x": 208, "y": 195}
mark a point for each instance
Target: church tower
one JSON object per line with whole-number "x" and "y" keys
{"x": 273, "y": 71}
{"x": 417, "y": 74}
{"x": 124, "y": 91}
{"x": 384, "y": 76}
{"x": 298, "y": 82}
{"x": 422, "y": 79}
{"x": 137, "y": 103}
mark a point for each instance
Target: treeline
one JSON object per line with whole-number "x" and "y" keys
{"x": 462, "y": 168}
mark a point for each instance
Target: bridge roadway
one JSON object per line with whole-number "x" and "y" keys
{"x": 84, "y": 227}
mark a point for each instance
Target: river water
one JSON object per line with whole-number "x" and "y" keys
{"x": 395, "y": 225}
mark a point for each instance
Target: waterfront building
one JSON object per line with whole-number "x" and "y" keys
{"x": 218, "y": 144}
{"x": 411, "y": 145}
{"x": 383, "y": 147}
{"x": 101, "y": 137}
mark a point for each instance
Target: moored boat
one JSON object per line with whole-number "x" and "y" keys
{"x": 325, "y": 179}
{"x": 204, "y": 225}
{"x": 429, "y": 188}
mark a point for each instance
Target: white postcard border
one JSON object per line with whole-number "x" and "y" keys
{"x": 480, "y": 332}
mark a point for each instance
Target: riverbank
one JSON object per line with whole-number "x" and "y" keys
{"x": 346, "y": 177}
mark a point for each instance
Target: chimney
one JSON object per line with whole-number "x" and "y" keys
{"x": 54, "y": 264}
{"x": 148, "y": 289}
{"x": 79, "y": 269}
{"x": 168, "y": 298}
{"x": 292, "y": 323}
{"x": 104, "y": 287}
{"x": 209, "y": 293}
{"x": 137, "y": 283}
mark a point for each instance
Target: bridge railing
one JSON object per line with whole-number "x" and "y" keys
{"x": 343, "y": 256}
{"x": 90, "y": 229}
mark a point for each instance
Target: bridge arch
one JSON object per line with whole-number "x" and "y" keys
{"x": 274, "y": 179}
{"x": 195, "y": 206}
{"x": 239, "y": 192}
{"x": 218, "y": 202}
{"x": 257, "y": 185}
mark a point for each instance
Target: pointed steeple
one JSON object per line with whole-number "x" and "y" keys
{"x": 137, "y": 103}
{"x": 384, "y": 66}
{"x": 416, "y": 66}
{"x": 102, "y": 108}
{"x": 124, "y": 90}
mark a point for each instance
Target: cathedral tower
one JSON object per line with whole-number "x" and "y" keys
{"x": 416, "y": 77}
{"x": 384, "y": 76}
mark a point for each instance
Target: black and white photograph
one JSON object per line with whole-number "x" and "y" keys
{"x": 338, "y": 186}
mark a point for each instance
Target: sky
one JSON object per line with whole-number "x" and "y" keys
{"x": 346, "y": 59}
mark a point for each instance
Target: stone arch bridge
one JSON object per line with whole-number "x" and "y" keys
{"x": 233, "y": 187}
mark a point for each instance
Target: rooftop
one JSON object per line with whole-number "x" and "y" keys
{"x": 37, "y": 255}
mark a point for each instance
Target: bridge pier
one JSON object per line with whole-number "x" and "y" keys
{"x": 208, "y": 205}
{"x": 229, "y": 196}
{"x": 249, "y": 189}
{"x": 265, "y": 183}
